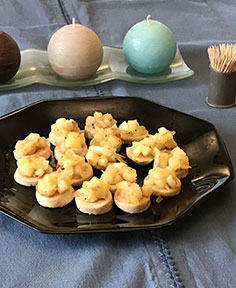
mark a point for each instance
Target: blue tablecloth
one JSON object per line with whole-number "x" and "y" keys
{"x": 197, "y": 251}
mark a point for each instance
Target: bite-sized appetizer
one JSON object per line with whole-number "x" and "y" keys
{"x": 32, "y": 146}
{"x": 94, "y": 197}
{"x": 104, "y": 138}
{"x": 130, "y": 198}
{"x": 141, "y": 152}
{"x": 175, "y": 159}
{"x": 118, "y": 172}
{"x": 98, "y": 121}
{"x": 61, "y": 128}
{"x": 162, "y": 182}
{"x": 131, "y": 131}
{"x": 30, "y": 170}
{"x": 76, "y": 167}
{"x": 74, "y": 142}
{"x": 164, "y": 139}
{"x": 101, "y": 157}
{"x": 55, "y": 190}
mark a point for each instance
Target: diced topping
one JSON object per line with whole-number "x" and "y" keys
{"x": 118, "y": 172}
{"x": 99, "y": 120}
{"x": 130, "y": 125}
{"x": 73, "y": 164}
{"x": 161, "y": 159}
{"x": 131, "y": 130}
{"x": 103, "y": 138}
{"x": 129, "y": 192}
{"x": 164, "y": 139}
{"x": 55, "y": 182}
{"x": 161, "y": 178}
{"x": 30, "y": 145}
{"x": 93, "y": 190}
{"x": 143, "y": 147}
{"x": 100, "y": 157}
{"x": 178, "y": 159}
{"x": 33, "y": 167}
{"x": 61, "y": 128}
{"x": 74, "y": 141}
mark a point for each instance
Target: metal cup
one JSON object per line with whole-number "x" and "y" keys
{"x": 221, "y": 89}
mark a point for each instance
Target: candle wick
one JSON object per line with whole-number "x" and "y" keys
{"x": 73, "y": 22}
{"x": 148, "y": 18}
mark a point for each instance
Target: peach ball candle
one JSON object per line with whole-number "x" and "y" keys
{"x": 75, "y": 52}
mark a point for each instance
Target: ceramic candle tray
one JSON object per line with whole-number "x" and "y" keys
{"x": 35, "y": 68}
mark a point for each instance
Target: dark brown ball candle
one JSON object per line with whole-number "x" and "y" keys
{"x": 9, "y": 57}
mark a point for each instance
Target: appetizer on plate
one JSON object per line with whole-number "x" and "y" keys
{"x": 175, "y": 159}
{"x": 94, "y": 197}
{"x": 55, "y": 190}
{"x": 118, "y": 172}
{"x": 162, "y": 182}
{"x": 130, "y": 198}
{"x": 101, "y": 157}
{"x": 76, "y": 167}
{"x": 75, "y": 142}
{"x": 30, "y": 170}
{"x": 98, "y": 121}
{"x": 131, "y": 131}
{"x": 164, "y": 139}
{"x": 32, "y": 146}
{"x": 104, "y": 138}
{"x": 141, "y": 152}
{"x": 61, "y": 128}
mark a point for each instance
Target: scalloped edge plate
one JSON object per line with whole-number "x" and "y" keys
{"x": 35, "y": 68}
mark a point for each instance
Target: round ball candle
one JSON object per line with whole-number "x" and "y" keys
{"x": 9, "y": 57}
{"x": 75, "y": 52}
{"x": 149, "y": 46}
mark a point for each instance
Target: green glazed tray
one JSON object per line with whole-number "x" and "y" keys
{"x": 35, "y": 68}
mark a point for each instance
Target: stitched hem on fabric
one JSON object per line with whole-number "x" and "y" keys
{"x": 151, "y": 265}
{"x": 67, "y": 18}
{"x": 167, "y": 260}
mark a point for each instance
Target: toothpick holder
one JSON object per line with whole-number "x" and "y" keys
{"x": 221, "y": 89}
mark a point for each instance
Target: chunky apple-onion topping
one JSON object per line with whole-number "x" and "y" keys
{"x": 101, "y": 157}
{"x": 160, "y": 179}
{"x": 33, "y": 167}
{"x": 132, "y": 131}
{"x": 104, "y": 138}
{"x": 30, "y": 145}
{"x": 75, "y": 142}
{"x": 129, "y": 192}
{"x": 175, "y": 159}
{"x": 73, "y": 164}
{"x": 118, "y": 172}
{"x": 61, "y": 128}
{"x": 164, "y": 139}
{"x": 93, "y": 190}
{"x": 53, "y": 183}
{"x": 99, "y": 120}
{"x": 143, "y": 147}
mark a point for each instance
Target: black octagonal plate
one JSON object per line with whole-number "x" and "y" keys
{"x": 211, "y": 165}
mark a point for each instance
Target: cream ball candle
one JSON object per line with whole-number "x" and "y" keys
{"x": 9, "y": 57}
{"x": 149, "y": 46}
{"x": 75, "y": 52}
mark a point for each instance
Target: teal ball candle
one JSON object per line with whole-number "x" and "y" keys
{"x": 149, "y": 46}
